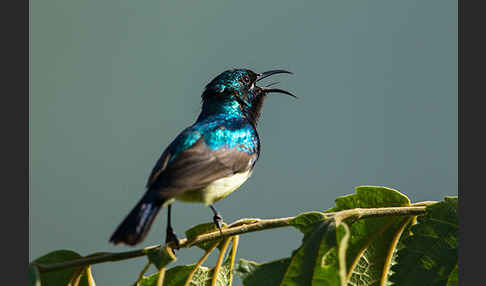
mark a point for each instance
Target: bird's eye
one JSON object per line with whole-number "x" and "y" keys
{"x": 246, "y": 79}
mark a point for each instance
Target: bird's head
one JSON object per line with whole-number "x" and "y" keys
{"x": 239, "y": 87}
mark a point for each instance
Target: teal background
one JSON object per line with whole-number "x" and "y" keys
{"x": 113, "y": 82}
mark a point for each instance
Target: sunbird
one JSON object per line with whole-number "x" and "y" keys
{"x": 208, "y": 160}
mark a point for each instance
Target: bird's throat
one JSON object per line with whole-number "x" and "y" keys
{"x": 228, "y": 109}
{"x": 232, "y": 109}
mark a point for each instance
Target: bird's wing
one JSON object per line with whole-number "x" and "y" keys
{"x": 197, "y": 167}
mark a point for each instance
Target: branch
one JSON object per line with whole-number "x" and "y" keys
{"x": 239, "y": 227}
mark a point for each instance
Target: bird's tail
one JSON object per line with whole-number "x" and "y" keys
{"x": 136, "y": 225}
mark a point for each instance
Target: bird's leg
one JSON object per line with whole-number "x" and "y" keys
{"x": 170, "y": 235}
{"x": 217, "y": 219}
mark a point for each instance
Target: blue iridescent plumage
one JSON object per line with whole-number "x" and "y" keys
{"x": 208, "y": 160}
{"x": 218, "y": 131}
{"x": 223, "y": 121}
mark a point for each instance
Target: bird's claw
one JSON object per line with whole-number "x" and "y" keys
{"x": 218, "y": 221}
{"x": 172, "y": 237}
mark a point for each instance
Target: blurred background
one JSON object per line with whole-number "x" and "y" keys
{"x": 113, "y": 82}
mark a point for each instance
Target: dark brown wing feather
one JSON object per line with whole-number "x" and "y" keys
{"x": 158, "y": 168}
{"x": 196, "y": 168}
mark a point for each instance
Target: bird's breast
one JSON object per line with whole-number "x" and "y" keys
{"x": 224, "y": 131}
{"x": 216, "y": 190}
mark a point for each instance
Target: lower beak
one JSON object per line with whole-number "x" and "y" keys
{"x": 278, "y": 90}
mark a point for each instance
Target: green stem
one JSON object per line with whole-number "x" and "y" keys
{"x": 140, "y": 276}
{"x": 236, "y": 228}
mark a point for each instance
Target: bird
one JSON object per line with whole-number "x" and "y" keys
{"x": 208, "y": 160}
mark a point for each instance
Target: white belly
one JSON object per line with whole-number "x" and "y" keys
{"x": 217, "y": 190}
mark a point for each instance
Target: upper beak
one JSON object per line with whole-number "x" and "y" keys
{"x": 276, "y": 90}
{"x": 269, "y": 73}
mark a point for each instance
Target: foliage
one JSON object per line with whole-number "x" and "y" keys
{"x": 372, "y": 237}
{"x": 69, "y": 276}
{"x": 429, "y": 256}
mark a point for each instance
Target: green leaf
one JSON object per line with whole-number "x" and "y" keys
{"x": 371, "y": 197}
{"x": 453, "y": 278}
{"x": 200, "y": 229}
{"x": 160, "y": 257}
{"x": 306, "y": 222}
{"x": 374, "y": 240}
{"x": 316, "y": 262}
{"x": 253, "y": 273}
{"x": 174, "y": 276}
{"x": 177, "y": 275}
{"x": 429, "y": 256}
{"x": 64, "y": 276}
{"x": 333, "y": 253}
{"x": 33, "y": 276}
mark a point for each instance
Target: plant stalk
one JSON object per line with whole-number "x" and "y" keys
{"x": 236, "y": 228}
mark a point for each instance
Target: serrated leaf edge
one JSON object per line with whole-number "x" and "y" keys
{"x": 393, "y": 245}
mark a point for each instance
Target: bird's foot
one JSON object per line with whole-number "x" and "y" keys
{"x": 172, "y": 237}
{"x": 218, "y": 221}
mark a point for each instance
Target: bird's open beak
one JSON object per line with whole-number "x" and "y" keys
{"x": 269, "y": 73}
{"x": 276, "y": 90}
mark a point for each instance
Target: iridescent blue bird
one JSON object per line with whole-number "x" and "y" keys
{"x": 208, "y": 160}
